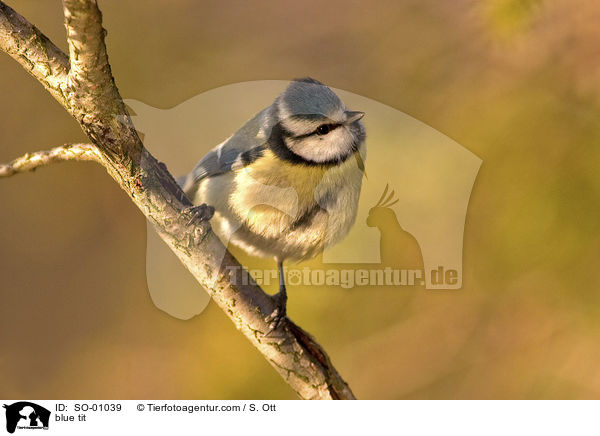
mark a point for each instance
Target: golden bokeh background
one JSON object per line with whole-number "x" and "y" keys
{"x": 515, "y": 82}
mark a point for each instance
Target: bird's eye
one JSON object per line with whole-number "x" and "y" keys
{"x": 323, "y": 129}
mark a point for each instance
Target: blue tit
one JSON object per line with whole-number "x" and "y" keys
{"x": 287, "y": 183}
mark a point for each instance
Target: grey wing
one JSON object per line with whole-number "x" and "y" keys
{"x": 243, "y": 147}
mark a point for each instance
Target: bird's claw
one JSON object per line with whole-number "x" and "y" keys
{"x": 279, "y": 315}
{"x": 203, "y": 212}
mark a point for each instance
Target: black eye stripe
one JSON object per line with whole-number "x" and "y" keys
{"x": 324, "y": 129}
{"x": 288, "y": 134}
{"x": 326, "y": 126}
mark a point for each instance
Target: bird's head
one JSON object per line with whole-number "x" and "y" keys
{"x": 315, "y": 125}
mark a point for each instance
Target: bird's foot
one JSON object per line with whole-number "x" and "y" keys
{"x": 204, "y": 212}
{"x": 279, "y": 315}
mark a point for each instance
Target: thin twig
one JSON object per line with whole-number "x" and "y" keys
{"x": 32, "y": 161}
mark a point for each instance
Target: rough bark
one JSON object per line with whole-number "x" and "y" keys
{"x": 84, "y": 85}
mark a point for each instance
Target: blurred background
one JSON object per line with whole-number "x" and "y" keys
{"x": 515, "y": 82}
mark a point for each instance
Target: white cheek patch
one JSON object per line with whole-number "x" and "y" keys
{"x": 323, "y": 148}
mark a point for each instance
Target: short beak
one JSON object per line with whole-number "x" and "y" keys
{"x": 352, "y": 116}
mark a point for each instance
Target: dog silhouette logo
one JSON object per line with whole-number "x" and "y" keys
{"x": 26, "y": 415}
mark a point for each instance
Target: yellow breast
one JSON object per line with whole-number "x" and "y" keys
{"x": 270, "y": 194}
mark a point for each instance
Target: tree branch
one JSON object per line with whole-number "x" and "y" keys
{"x": 32, "y": 161}
{"x": 94, "y": 101}
{"x": 36, "y": 53}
